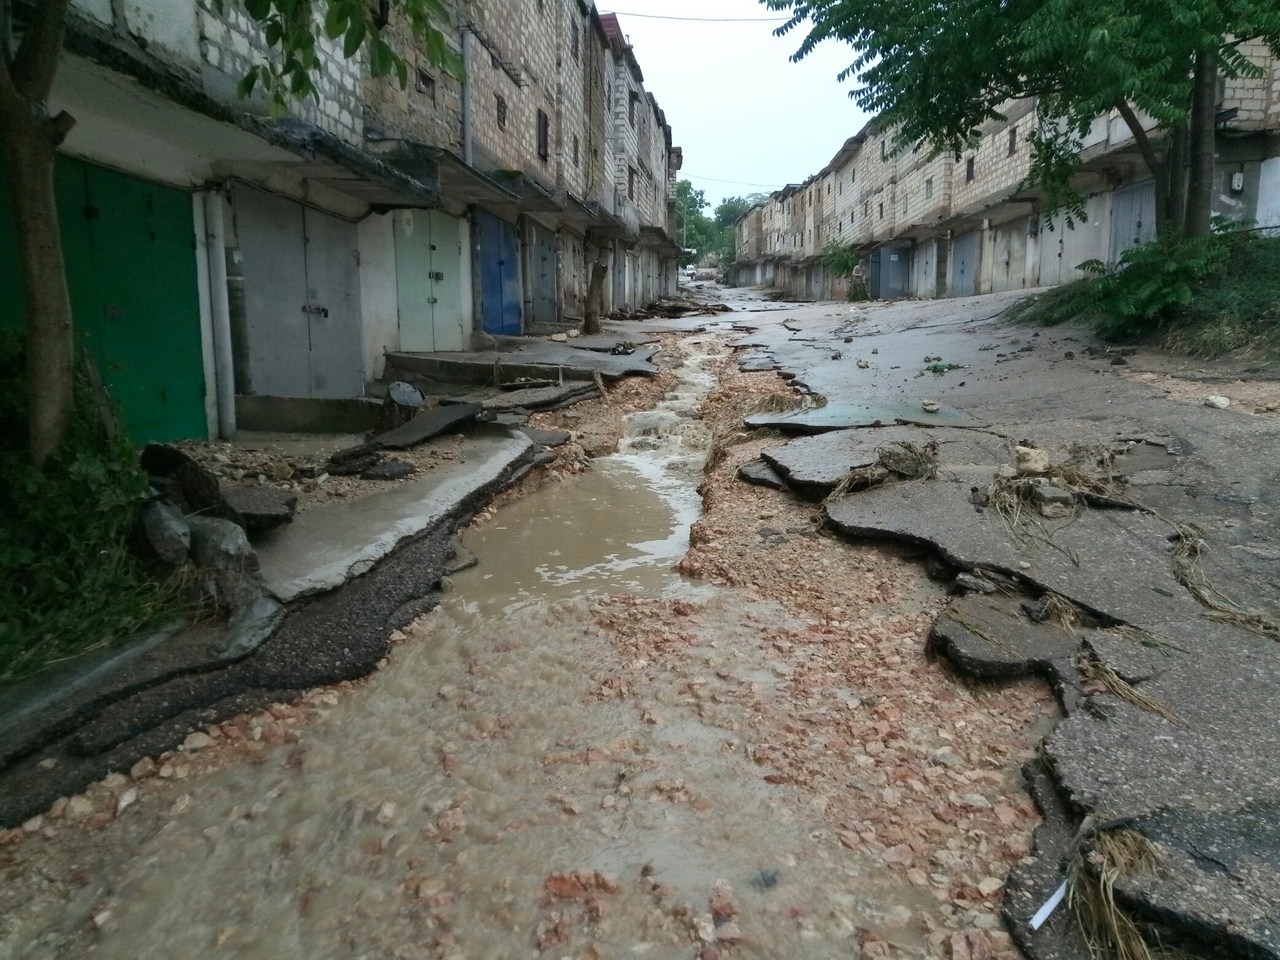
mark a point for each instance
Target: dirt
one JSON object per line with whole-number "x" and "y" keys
{"x": 1246, "y": 396}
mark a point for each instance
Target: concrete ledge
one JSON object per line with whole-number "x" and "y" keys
{"x": 330, "y": 544}
{"x": 306, "y": 414}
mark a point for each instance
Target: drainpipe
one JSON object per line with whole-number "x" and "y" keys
{"x": 206, "y": 316}
{"x": 224, "y": 373}
{"x": 468, "y": 152}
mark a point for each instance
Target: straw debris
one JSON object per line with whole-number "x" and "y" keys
{"x": 1188, "y": 546}
{"x": 1112, "y": 856}
{"x": 1121, "y": 688}
{"x": 900, "y": 460}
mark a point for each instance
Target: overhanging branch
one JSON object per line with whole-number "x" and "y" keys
{"x": 1139, "y": 136}
{"x": 36, "y": 63}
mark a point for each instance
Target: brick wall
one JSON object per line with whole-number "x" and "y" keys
{"x": 430, "y": 109}
{"x": 231, "y": 42}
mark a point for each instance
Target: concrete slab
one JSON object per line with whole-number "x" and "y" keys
{"x": 327, "y": 545}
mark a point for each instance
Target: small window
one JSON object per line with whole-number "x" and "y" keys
{"x": 928, "y": 188}
{"x": 631, "y": 183}
{"x": 493, "y": 59}
{"x": 631, "y": 108}
{"x": 882, "y": 211}
{"x": 968, "y": 171}
{"x": 575, "y": 149}
{"x": 853, "y": 176}
{"x": 884, "y": 150}
{"x": 426, "y": 84}
{"x": 500, "y": 110}
{"x": 544, "y": 136}
{"x": 866, "y": 208}
{"x": 574, "y": 42}
{"x": 1013, "y": 140}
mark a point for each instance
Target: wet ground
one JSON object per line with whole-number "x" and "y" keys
{"x": 583, "y": 752}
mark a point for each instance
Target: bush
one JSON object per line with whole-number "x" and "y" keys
{"x": 1205, "y": 296}
{"x": 68, "y": 580}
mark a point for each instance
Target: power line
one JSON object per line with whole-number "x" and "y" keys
{"x": 738, "y": 183}
{"x": 656, "y": 16}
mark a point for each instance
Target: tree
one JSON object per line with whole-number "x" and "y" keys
{"x": 694, "y": 231}
{"x": 30, "y": 137}
{"x": 934, "y": 73}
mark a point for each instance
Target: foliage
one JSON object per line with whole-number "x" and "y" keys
{"x": 291, "y": 29}
{"x": 934, "y": 73}
{"x": 839, "y": 259}
{"x": 709, "y": 239}
{"x": 1207, "y": 295}
{"x": 68, "y": 582}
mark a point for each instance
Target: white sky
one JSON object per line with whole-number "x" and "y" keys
{"x": 739, "y": 108}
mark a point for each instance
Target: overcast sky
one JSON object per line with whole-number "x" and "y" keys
{"x": 739, "y": 108}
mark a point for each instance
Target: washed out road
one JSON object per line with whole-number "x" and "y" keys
{"x": 669, "y": 713}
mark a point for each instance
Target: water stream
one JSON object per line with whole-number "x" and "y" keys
{"x": 433, "y": 803}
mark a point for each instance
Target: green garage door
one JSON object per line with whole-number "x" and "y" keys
{"x": 131, "y": 268}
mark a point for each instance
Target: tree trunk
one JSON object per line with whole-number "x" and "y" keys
{"x": 595, "y": 298}
{"x": 29, "y": 145}
{"x": 1200, "y": 178}
{"x": 1176, "y": 163}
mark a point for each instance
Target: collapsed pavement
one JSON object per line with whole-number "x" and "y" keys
{"x": 1147, "y": 592}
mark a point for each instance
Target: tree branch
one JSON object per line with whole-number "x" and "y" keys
{"x": 1139, "y": 136}
{"x": 37, "y": 61}
{"x": 8, "y": 93}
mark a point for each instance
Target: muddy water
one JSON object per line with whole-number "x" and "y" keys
{"x": 508, "y": 741}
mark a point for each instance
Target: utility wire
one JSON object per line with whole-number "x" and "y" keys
{"x": 740, "y": 183}
{"x": 657, "y": 16}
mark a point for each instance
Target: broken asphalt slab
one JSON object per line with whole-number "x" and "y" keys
{"x": 843, "y": 416}
{"x": 815, "y": 464}
{"x": 539, "y": 360}
{"x": 425, "y": 425}
{"x": 142, "y": 704}
{"x": 1201, "y": 786}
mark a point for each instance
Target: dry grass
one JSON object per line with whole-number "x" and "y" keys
{"x": 1113, "y": 855}
{"x": 1121, "y": 688}
{"x": 1064, "y": 614}
{"x": 909, "y": 461}
{"x": 1188, "y": 547}
{"x": 982, "y": 633}
{"x": 775, "y": 403}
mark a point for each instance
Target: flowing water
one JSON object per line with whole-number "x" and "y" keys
{"x": 434, "y": 803}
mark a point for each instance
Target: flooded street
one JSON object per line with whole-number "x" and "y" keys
{"x": 585, "y": 753}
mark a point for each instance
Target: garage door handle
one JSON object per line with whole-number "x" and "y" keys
{"x": 321, "y": 311}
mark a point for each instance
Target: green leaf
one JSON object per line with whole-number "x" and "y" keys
{"x": 354, "y": 38}
{"x": 247, "y": 82}
{"x": 336, "y": 21}
{"x": 258, "y": 9}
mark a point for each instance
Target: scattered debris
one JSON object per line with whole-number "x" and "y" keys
{"x": 1217, "y": 402}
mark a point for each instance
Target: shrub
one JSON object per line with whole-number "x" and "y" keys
{"x": 68, "y": 580}
{"x": 1206, "y": 296}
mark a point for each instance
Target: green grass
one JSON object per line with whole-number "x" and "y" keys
{"x": 69, "y": 580}
{"x": 1205, "y": 297}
